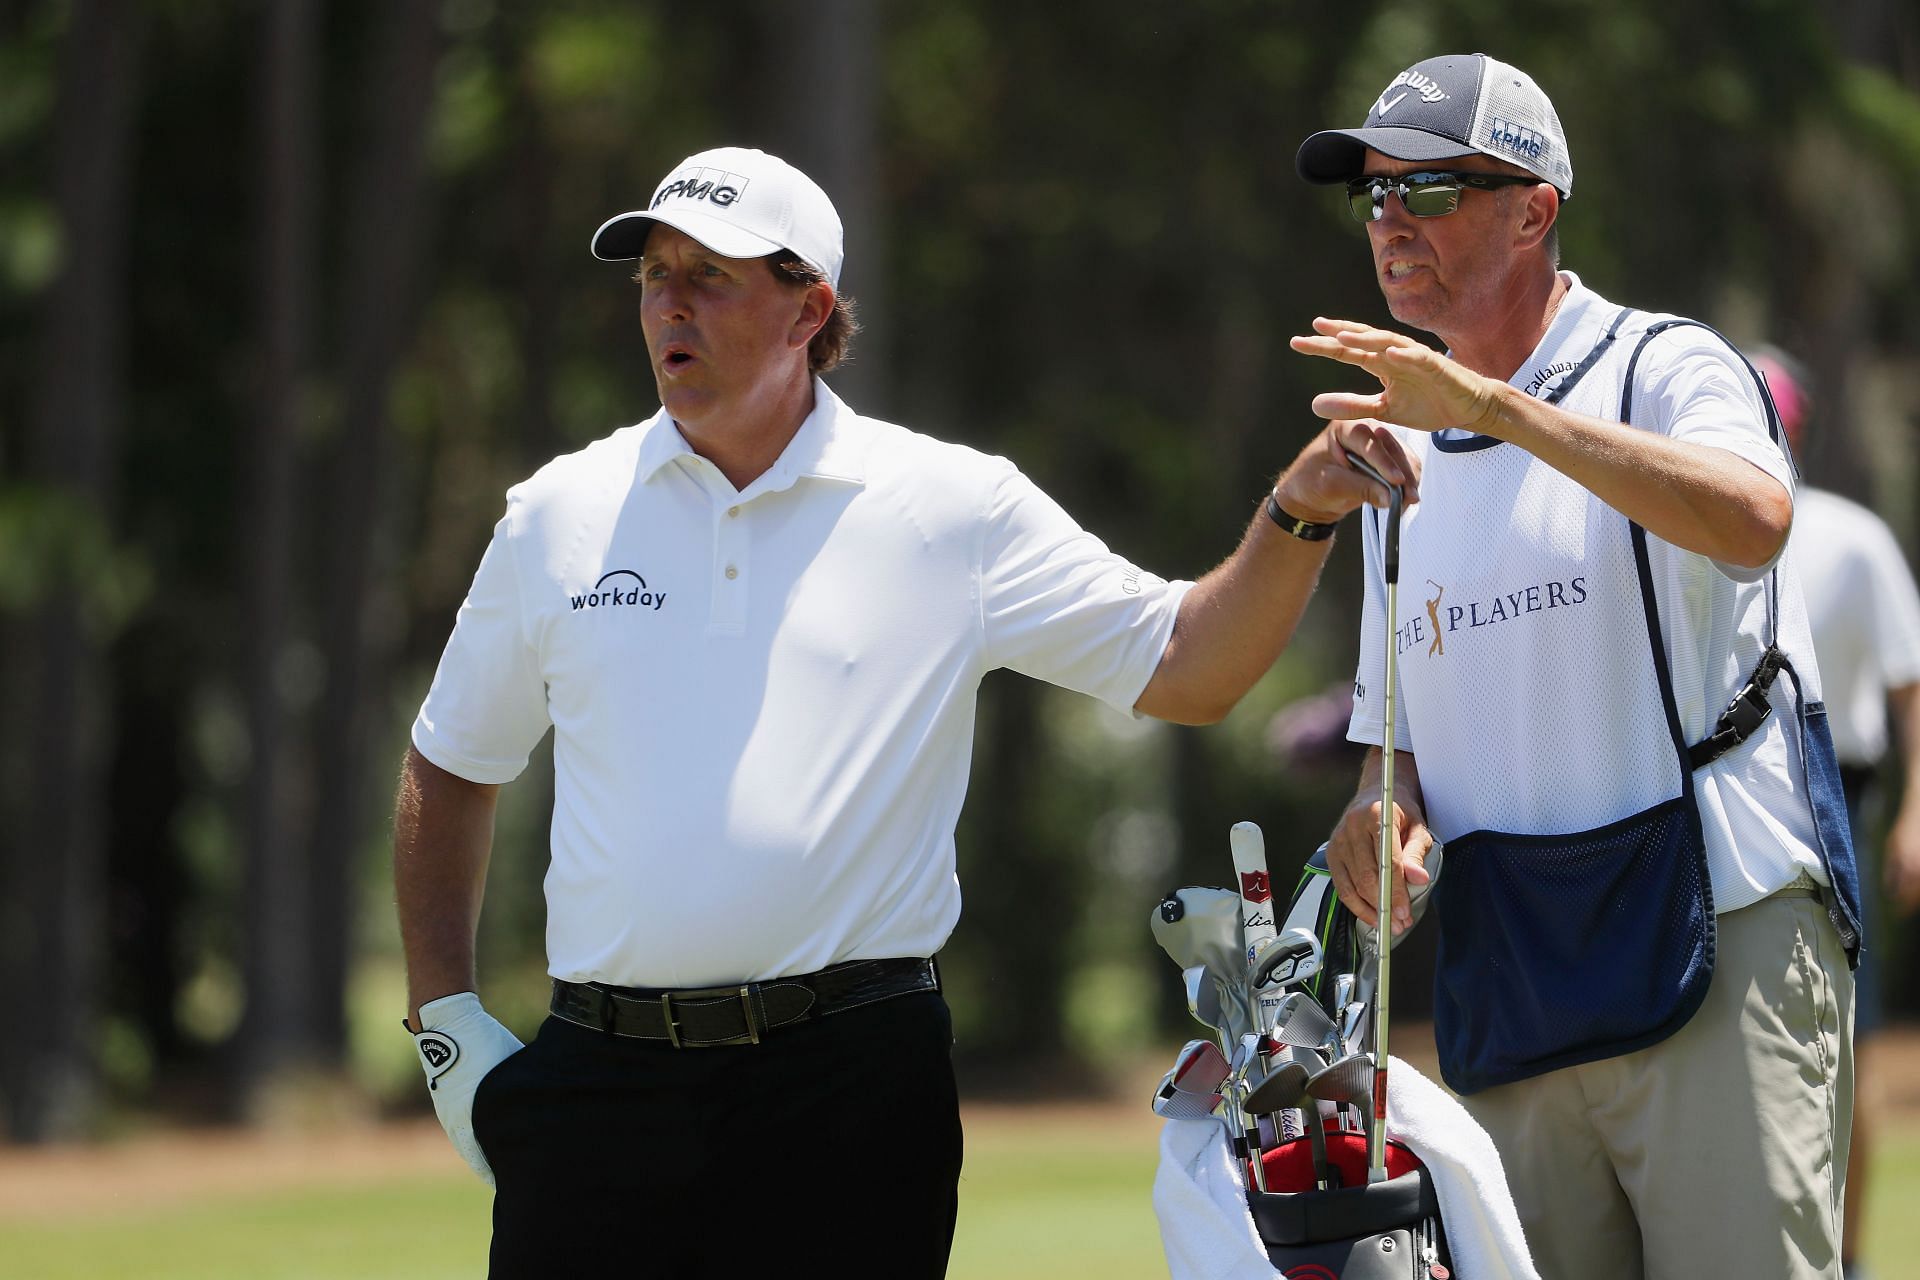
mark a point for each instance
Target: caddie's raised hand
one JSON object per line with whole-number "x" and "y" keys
{"x": 1419, "y": 387}
{"x": 459, "y": 1042}
{"x": 1320, "y": 485}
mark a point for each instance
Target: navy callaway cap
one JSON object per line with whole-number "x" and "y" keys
{"x": 1458, "y": 104}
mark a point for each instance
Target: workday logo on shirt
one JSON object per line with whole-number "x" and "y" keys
{"x": 620, "y": 589}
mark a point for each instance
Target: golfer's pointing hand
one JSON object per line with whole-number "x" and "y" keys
{"x": 1419, "y": 387}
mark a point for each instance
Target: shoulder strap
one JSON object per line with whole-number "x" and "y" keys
{"x": 1750, "y": 706}
{"x": 1600, "y": 349}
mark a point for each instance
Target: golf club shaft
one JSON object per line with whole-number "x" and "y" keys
{"x": 1377, "y": 1131}
{"x": 1390, "y": 557}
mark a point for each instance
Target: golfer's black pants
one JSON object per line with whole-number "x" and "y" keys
{"x": 835, "y": 1142}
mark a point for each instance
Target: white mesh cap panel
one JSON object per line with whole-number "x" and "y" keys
{"x": 1515, "y": 122}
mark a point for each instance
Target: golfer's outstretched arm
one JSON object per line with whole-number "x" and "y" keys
{"x": 1237, "y": 619}
{"x": 1353, "y": 852}
{"x": 442, "y": 839}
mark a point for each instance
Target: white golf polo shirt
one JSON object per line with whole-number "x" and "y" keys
{"x": 763, "y": 700}
{"x": 1865, "y": 614}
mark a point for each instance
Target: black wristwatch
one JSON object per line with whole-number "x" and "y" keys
{"x": 1305, "y": 530}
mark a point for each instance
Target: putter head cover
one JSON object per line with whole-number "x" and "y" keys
{"x": 1417, "y": 895}
{"x": 459, "y": 1043}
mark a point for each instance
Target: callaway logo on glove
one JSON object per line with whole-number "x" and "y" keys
{"x": 459, "y": 1043}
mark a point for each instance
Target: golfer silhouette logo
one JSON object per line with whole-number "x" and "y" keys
{"x": 1433, "y": 615}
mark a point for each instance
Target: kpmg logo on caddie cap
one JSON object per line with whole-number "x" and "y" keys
{"x": 716, "y": 186}
{"x": 1518, "y": 139}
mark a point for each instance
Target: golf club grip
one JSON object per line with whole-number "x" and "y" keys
{"x": 1257, "y": 922}
{"x": 1396, "y": 501}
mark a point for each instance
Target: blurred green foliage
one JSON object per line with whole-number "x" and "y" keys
{"x": 1088, "y": 250}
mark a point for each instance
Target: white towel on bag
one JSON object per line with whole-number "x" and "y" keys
{"x": 1208, "y": 1234}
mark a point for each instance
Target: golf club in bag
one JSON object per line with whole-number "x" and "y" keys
{"x": 1326, "y": 1205}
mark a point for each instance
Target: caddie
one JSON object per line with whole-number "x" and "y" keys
{"x": 756, "y": 623}
{"x": 1609, "y": 713}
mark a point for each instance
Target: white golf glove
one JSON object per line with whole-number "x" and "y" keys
{"x": 459, "y": 1042}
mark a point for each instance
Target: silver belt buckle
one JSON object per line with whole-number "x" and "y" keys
{"x": 745, "y": 994}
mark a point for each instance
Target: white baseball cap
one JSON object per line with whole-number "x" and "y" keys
{"x": 738, "y": 202}
{"x": 1446, "y": 107}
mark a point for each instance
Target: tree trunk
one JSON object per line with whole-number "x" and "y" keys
{"x": 56, "y": 914}
{"x": 831, "y": 60}
{"x": 1010, "y": 885}
{"x": 281, "y": 999}
{"x": 386, "y": 209}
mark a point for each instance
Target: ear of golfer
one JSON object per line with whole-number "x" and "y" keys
{"x": 1705, "y": 500}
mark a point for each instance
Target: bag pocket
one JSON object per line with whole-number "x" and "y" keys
{"x": 1557, "y": 950}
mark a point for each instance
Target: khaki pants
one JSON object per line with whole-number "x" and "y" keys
{"x": 1722, "y": 1150}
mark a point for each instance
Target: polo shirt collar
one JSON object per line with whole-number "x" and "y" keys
{"x": 830, "y": 445}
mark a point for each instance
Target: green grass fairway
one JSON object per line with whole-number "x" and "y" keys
{"x": 1046, "y": 1193}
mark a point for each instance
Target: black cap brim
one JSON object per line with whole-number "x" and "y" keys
{"x": 624, "y": 236}
{"x": 621, "y": 238}
{"x": 1338, "y": 155}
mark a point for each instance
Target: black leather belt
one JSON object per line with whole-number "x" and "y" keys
{"x": 707, "y": 1017}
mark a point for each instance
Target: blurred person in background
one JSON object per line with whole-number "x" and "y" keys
{"x": 756, "y": 624}
{"x": 1865, "y": 614}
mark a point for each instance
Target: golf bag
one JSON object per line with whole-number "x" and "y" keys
{"x": 1379, "y": 1231}
{"x": 1354, "y": 1230}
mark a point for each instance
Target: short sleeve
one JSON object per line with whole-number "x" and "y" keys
{"x": 487, "y": 707}
{"x": 1704, "y": 394}
{"x": 1057, "y": 605}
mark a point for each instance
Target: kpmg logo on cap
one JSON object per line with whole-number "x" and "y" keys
{"x": 1518, "y": 139}
{"x": 1416, "y": 82}
{"x": 716, "y": 186}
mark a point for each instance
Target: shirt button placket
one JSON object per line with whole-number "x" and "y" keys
{"x": 731, "y": 562}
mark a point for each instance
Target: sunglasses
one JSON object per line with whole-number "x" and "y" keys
{"x": 1425, "y": 195}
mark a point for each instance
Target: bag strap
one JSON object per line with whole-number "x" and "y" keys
{"x": 1750, "y": 707}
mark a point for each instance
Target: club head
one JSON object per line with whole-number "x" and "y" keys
{"x": 1303, "y": 1023}
{"x": 1200, "y": 1069}
{"x": 1285, "y": 960}
{"x": 1171, "y": 1103}
{"x": 1200, "y": 926}
{"x": 1348, "y": 1080}
{"x": 1282, "y": 1087}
